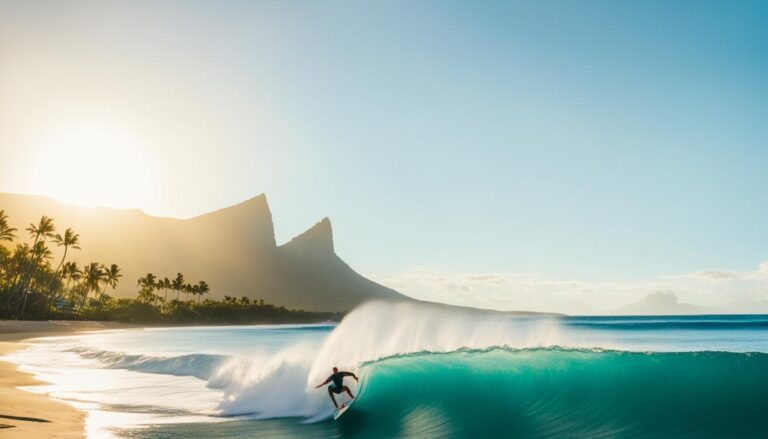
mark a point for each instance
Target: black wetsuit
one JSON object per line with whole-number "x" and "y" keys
{"x": 338, "y": 381}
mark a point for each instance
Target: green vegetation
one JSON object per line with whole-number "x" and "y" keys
{"x": 35, "y": 286}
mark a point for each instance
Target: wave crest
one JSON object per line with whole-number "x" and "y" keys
{"x": 199, "y": 366}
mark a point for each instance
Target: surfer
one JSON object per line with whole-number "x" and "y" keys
{"x": 338, "y": 384}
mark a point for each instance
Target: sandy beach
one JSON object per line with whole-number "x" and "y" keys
{"x": 25, "y": 414}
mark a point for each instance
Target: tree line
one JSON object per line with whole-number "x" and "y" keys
{"x": 35, "y": 286}
{"x": 150, "y": 283}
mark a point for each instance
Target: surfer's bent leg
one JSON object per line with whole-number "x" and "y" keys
{"x": 330, "y": 393}
{"x": 345, "y": 388}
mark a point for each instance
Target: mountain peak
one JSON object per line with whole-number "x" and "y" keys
{"x": 257, "y": 204}
{"x": 318, "y": 239}
{"x": 252, "y": 216}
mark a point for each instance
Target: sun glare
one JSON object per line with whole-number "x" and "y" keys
{"x": 92, "y": 165}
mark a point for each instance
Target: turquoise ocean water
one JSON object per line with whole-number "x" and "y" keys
{"x": 425, "y": 372}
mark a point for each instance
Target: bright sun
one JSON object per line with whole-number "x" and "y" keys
{"x": 92, "y": 165}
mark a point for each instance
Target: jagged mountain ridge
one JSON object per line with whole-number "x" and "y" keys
{"x": 233, "y": 249}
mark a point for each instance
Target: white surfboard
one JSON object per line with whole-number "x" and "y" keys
{"x": 344, "y": 407}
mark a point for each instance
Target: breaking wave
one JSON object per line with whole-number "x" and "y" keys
{"x": 431, "y": 371}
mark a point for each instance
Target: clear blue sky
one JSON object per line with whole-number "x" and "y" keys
{"x": 591, "y": 140}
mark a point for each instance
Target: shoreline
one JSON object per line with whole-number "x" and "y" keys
{"x": 25, "y": 414}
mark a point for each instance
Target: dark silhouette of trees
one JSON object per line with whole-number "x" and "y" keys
{"x": 111, "y": 276}
{"x": 69, "y": 240}
{"x": 7, "y": 233}
{"x": 30, "y": 287}
{"x": 178, "y": 284}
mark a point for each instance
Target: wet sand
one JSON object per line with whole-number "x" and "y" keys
{"x": 25, "y": 414}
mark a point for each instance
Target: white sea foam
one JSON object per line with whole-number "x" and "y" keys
{"x": 269, "y": 386}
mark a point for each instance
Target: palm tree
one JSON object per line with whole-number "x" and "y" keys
{"x": 7, "y": 233}
{"x": 195, "y": 290}
{"x": 178, "y": 284}
{"x": 111, "y": 277}
{"x": 69, "y": 240}
{"x": 20, "y": 257}
{"x": 44, "y": 229}
{"x": 148, "y": 282}
{"x": 147, "y": 285}
{"x": 71, "y": 272}
{"x": 202, "y": 288}
{"x": 5, "y": 258}
{"x": 91, "y": 280}
{"x": 165, "y": 284}
{"x": 40, "y": 253}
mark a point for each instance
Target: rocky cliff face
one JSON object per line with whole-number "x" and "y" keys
{"x": 233, "y": 249}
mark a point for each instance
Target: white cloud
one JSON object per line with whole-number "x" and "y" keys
{"x": 703, "y": 291}
{"x": 715, "y": 274}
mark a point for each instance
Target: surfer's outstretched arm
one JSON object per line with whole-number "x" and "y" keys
{"x": 324, "y": 383}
